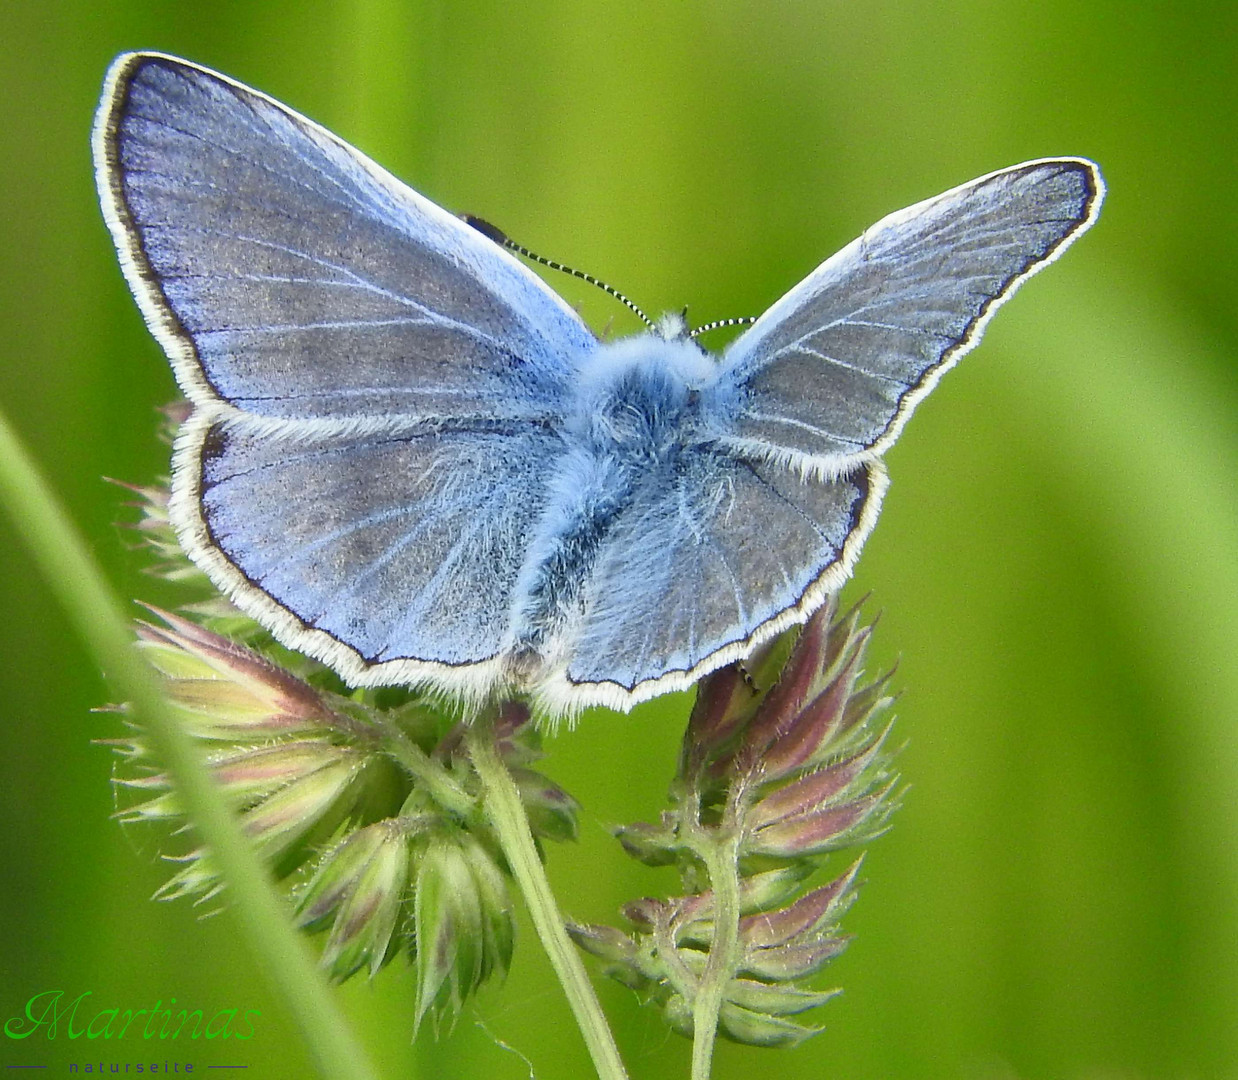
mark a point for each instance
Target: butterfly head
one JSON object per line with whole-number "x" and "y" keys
{"x": 673, "y": 326}
{"x": 642, "y": 396}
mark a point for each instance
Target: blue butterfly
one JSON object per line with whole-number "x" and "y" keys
{"x": 410, "y": 459}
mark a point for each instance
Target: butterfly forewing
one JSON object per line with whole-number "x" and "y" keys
{"x": 834, "y": 368}
{"x": 292, "y": 278}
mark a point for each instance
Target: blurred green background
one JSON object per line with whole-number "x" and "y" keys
{"x": 1057, "y": 563}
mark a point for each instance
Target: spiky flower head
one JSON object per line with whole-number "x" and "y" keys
{"x": 367, "y": 808}
{"x": 782, "y": 763}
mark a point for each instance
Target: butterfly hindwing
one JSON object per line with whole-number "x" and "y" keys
{"x": 387, "y": 581}
{"x": 709, "y": 558}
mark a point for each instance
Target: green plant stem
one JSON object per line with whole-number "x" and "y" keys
{"x": 82, "y": 590}
{"x": 505, "y": 813}
{"x": 428, "y": 772}
{"x": 719, "y": 854}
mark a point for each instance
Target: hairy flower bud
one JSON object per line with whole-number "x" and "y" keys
{"x": 223, "y": 690}
{"x": 462, "y": 919}
{"x": 360, "y": 885}
{"x": 368, "y": 809}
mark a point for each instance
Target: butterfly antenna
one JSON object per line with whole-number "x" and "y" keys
{"x": 746, "y": 320}
{"x": 499, "y": 237}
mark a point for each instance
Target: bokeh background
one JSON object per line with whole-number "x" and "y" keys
{"x": 1057, "y": 563}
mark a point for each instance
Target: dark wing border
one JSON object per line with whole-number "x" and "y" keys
{"x": 976, "y": 328}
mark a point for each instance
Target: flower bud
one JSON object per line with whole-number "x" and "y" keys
{"x": 278, "y": 822}
{"x": 498, "y": 927}
{"x": 816, "y": 725}
{"x": 551, "y": 810}
{"x": 646, "y": 913}
{"x": 371, "y": 900}
{"x": 760, "y": 891}
{"x": 337, "y": 872}
{"x": 462, "y": 920}
{"x": 760, "y": 1029}
{"x": 790, "y": 961}
{"x": 651, "y": 844}
{"x": 252, "y": 774}
{"x": 815, "y": 790}
{"x": 724, "y": 702}
{"x": 223, "y": 690}
{"x": 824, "y": 830}
{"x": 795, "y": 686}
{"x": 764, "y": 997}
{"x": 814, "y": 911}
{"x": 604, "y": 942}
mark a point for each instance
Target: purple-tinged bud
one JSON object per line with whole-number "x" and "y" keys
{"x": 794, "y": 960}
{"x": 448, "y": 930}
{"x": 368, "y": 914}
{"x": 498, "y": 927}
{"x": 551, "y": 810}
{"x": 654, "y": 845}
{"x": 226, "y": 691}
{"x": 823, "y": 830}
{"x": 462, "y": 921}
{"x": 688, "y": 912}
{"x": 843, "y": 633}
{"x": 820, "y": 908}
{"x": 516, "y": 742}
{"x": 604, "y": 942}
{"x": 337, "y": 874}
{"x": 723, "y": 705}
{"x": 512, "y": 718}
{"x": 251, "y": 774}
{"x": 624, "y": 960}
{"x": 646, "y": 913}
{"x": 867, "y": 702}
{"x": 769, "y": 780}
{"x": 758, "y": 892}
{"x": 816, "y": 790}
{"x": 795, "y": 685}
{"x": 281, "y": 820}
{"x": 817, "y": 724}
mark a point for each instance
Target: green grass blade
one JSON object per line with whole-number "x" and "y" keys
{"x": 99, "y": 618}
